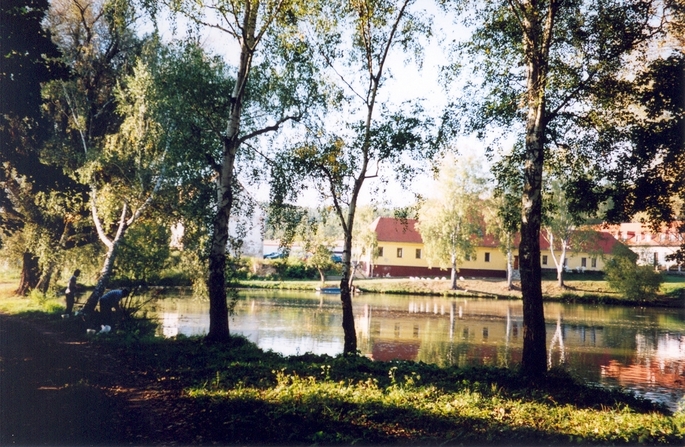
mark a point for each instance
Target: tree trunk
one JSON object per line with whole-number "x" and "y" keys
{"x": 216, "y": 283}
{"x": 350, "y": 333}
{"x": 46, "y": 277}
{"x": 30, "y": 272}
{"x": 537, "y": 39}
{"x": 560, "y": 276}
{"x": 49, "y": 270}
{"x": 453, "y": 274}
{"x": 534, "y": 359}
{"x": 105, "y": 273}
{"x": 510, "y": 269}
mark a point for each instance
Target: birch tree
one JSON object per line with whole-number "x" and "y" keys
{"x": 361, "y": 132}
{"x": 501, "y": 215}
{"x": 536, "y": 64}
{"x": 272, "y": 86}
{"x": 450, "y": 221}
{"x": 110, "y": 140}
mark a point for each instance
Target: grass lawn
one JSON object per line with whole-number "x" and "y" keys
{"x": 235, "y": 393}
{"x": 580, "y": 287}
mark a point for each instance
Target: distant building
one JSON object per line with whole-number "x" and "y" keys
{"x": 652, "y": 247}
{"x": 247, "y": 230}
{"x": 401, "y": 252}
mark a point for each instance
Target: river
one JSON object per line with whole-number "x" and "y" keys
{"x": 642, "y": 349}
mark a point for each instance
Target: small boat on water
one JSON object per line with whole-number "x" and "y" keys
{"x": 335, "y": 290}
{"x": 330, "y": 290}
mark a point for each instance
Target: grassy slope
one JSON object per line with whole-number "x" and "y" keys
{"x": 578, "y": 287}
{"x": 239, "y": 394}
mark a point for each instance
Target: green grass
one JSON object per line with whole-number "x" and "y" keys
{"x": 580, "y": 288}
{"x": 310, "y": 285}
{"x": 250, "y": 396}
{"x": 673, "y": 283}
{"x": 35, "y": 302}
{"x": 245, "y": 395}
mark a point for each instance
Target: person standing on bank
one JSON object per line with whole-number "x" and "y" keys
{"x": 109, "y": 301}
{"x": 71, "y": 291}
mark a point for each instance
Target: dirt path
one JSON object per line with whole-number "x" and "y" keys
{"x": 57, "y": 391}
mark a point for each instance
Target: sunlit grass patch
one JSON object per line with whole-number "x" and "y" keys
{"x": 34, "y": 302}
{"x": 364, "y": 410}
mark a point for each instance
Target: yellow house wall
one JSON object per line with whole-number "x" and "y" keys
{"x": 408, "y": 254}
{"x": 574, "y": 261}
{"x": 498, "y": 260}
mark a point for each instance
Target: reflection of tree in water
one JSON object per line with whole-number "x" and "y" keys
{"x": 618, "y": 337}
{"x": 557, "y": 341}
{"x": 472, "y": 342}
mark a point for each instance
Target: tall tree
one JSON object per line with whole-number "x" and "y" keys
{"x": 562, "y": 227}
{"x": 109, "y": 140}
{"x": 538, "y": 62}
{"x": 361, "y": 133}
{"x": 28, "y": 58}
{"x": 272, "y": 85}
{"x": 502, "y": 217}
{"x": 450, "y": 221}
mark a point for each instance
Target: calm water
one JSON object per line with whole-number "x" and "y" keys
{"x": 639, "y": 348}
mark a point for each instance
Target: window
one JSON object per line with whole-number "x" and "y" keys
{"x": 418, "y": 253}
{"x": 399, "y": 252}
{"x": 380, "y": 252}
{"x": 487, "y": 257}
{"x": 593, "y": 262}
{"x": 544, "y": 259}
{"x": 583, "y": 262}
{"x": 471, "y": 257}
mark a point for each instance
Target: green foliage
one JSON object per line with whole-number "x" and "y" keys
{"x": 450, "y": 220}
{"x": 294, "y": 269}
{"x": 635, "y": 282}
{"x": 650, "y": 124}
{"x": 144, "y": 253}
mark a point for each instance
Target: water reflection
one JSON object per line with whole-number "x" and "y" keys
{"x": 640, "y": 348}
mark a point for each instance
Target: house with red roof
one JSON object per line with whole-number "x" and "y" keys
{"x": 400, "y": 252}
{"x": 651, "y": 246}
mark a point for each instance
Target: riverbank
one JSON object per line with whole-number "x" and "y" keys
{"x": 60, "y": 386}
{"x": 64, "y": 387}
{"x": 578, "y": 289}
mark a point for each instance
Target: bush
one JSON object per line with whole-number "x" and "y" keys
{"x": 144, "y": 253}
{"x": 634, "y": 282}
{"x": 294, "y": 269}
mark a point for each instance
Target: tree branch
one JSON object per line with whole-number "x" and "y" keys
{"x": 274, "y": 127}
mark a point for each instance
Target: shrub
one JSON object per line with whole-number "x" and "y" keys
{"x": 634, "y": 282}
{"x": 144, "y": 253}
{"x": 293, "y": 269}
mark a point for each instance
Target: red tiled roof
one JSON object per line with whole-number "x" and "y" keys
{"x": 604, "y": 242}
{"x": 389, "y": 229}
{"x": 641, "y": 235}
